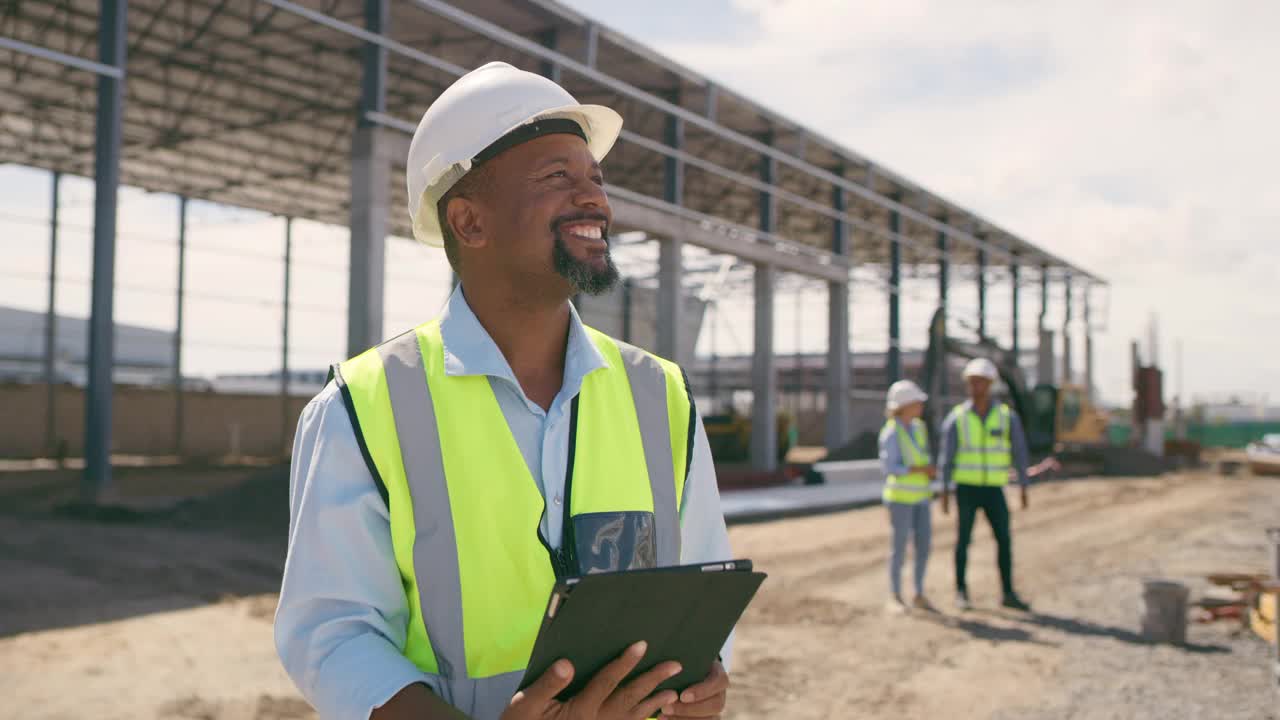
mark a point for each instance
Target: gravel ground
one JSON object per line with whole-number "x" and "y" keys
{"x": 169, "y": 616}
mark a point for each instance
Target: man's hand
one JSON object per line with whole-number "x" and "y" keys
{"x": 704, "y": 700}
{"x": 931, "y": 471}
{"x": 602, "y": 698}
{"x": 946, "y": 501}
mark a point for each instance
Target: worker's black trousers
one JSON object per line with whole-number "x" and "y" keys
{"x": 969, "y": 499}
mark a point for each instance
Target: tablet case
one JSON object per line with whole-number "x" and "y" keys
{"x": 684, "y": 614}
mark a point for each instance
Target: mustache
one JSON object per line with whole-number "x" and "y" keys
{"x": 563, "y": 220}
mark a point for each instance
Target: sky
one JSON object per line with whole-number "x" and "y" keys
{"x": 1133, "y": 139}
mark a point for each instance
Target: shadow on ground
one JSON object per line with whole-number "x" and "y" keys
{"x": 67, "y": 565}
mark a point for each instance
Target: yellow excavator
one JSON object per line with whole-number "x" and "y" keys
{"x": 1059, "y": 420}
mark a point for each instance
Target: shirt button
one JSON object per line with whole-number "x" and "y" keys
{"x": 557, "y": 500}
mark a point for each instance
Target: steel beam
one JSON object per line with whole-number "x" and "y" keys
{"x": 112, "y": 43}
{"x": 1088, "y": 342}
{"x": 764, "y": 380}
{"x": 179, "y": 413}
{"x": 893, "y": 367}
{"x": 1046, "y": 362}
{"x": 285, "y": 420}
{"x": 370, "y": 201}
{"x": 51, "y": 327}
{"x": 838, "y": 380}
{"x": 549, "y": 68}
{"x": 592, "y": 43}
{"x": 98, "y": 68}
{"x": 1014, "y": 272}
{"x": 1066, "y": 330}
{"x": 982, "y": 294}
{"x": 944, "y": 277}
{"x": 373, "y": 87}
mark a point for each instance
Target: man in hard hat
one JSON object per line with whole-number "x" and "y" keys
{"x": 445, "y": 479}
{"x": 982, "y": 442}
{"x": 904, "y": 456}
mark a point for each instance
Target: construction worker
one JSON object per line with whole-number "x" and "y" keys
{"x": 982, "y": 442}
{"x": 904, "y": 455}
{"x": 443, "y": 480}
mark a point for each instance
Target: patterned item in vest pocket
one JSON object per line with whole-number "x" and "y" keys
{"x": 615, "y": 541}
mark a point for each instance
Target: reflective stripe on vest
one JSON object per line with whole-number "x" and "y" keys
{"x": 984, "y": 449}
{"x": 912, "y": 487}
{"x": 465, "y": 510}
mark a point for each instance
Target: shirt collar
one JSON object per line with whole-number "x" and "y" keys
{"x": 468, "y": 349}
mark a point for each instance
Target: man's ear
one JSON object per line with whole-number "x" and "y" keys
{"x": 464, "y": 217}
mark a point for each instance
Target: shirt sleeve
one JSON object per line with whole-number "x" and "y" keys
{"x": 703, "y": 536}
{"x": 947, "y": 450}
{"x": 342, "y": 618}
{"x": 891, "y": 453}
{"x": 1021, "y": 456}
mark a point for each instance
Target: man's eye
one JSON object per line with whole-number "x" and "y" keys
{"x": 558, "y": 173}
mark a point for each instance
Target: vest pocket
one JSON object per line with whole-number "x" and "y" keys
{"x": 615, "y": 541}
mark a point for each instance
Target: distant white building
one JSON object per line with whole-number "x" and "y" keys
{"x": 143, "y": 356}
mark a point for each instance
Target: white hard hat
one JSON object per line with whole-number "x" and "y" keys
{"x": 472, "y": 114}
{"x": 903, "y": 393}
{"x": 983, "y": 368}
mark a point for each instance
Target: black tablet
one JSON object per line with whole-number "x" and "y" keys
{"x": 684, "y": 613}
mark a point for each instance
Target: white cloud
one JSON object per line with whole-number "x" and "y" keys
{"x": 1135, "y": 139}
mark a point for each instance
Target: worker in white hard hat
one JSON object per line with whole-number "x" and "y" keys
{"x": 444, "y": 480}
{"x": 904, "y": 455}
{"x": 982, "y": 445}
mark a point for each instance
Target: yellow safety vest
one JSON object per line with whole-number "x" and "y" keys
{"x": 465, "y": 512}
{"x": 984, "y": 449}
{"x": 912, "y": 487}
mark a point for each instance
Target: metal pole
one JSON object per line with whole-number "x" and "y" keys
{"x": 982, "y": 293}
{"x": 671, "y": 249}
{"x": 838, "y": 380}
{"x": 179, "y": 412}
{"x": 285, "y": 420}
{"x": 51, "y": 328}
{"x": 764, "y": 436}
{"x": 1014, "y": 272}
{"x": 1066, "y": 330}
{"x": 549, "y": 39}
{"x": 893, "y": 367}
{"x": 369, "y": 195}
{"x": 112, "y": 36}
{"x": 944, "y": 271}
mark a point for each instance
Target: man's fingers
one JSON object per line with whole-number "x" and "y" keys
{"x": 716, "y": 683}
{"x": 635, "y": 692}
{"x": 650, "y": 707}
{"x": 544, "y": 690}
{"x": 606, "y": 681}
{"x": 709, "y": 708}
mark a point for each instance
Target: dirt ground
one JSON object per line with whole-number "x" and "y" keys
{"x": 170, "y": 616}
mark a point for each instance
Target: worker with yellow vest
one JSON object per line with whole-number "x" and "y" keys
{"x": 443, "y": 480}
{"x": 982, "y": 443}
{"x": 904, "y": 455}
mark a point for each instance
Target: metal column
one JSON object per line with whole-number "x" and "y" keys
{"x": 1066, "y": 331}
{"x": 893, "y": 364}
{"x": 1088, "y": 344}
{"x": 1044, "y": 370}
{"x": 285, "y": 420}
{"x": 549, "y": 39}
{"x": 671, "y": 250}
{"x": 179, "y": 414}
{"x": 112, "y": 37}
{"x": 51, "y": 328}
{"x": 592, "y": 44}
{"x": 1014, "y": 273}
{"x": 982, "y": 293}
{"x": 370, "y": 190}
{"x": 944, "y": 273}
{"x": 764, "y": 381}
{"x": 838, "y": 380}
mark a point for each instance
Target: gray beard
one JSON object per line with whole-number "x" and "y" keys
{"x": 581, "y": 275}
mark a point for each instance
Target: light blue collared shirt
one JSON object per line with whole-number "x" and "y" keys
{"x": 343, "y": 616}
